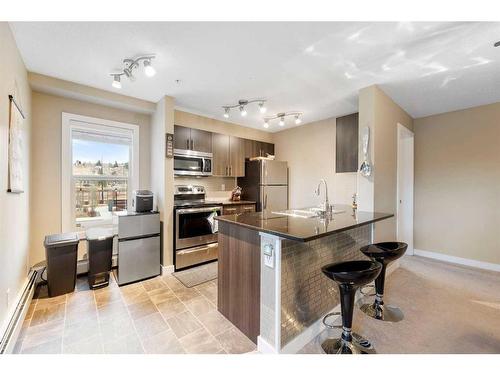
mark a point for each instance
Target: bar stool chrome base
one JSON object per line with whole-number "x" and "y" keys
{"x": 358, "y": 345}
{"x": 383, "y": 312}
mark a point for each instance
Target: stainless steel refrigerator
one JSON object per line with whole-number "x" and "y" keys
{"x": 265, "y": 182}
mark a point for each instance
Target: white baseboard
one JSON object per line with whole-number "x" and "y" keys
{"x": 457, "y": 260}
{"x": 167, "y": 270}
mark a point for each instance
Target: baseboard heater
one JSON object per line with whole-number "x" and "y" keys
{"x": 13, "y": 329}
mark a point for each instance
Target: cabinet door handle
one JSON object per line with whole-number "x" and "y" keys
{"x": 230, "y": 170}
{"x": 265, "y": 201}
{"x": 192, "y": 144}
{"x": 187, "y": 144}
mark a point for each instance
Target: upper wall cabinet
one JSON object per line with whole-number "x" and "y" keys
{"x": 257, "y": 148}
{"x": 228, "y": 156}
{"x": 346, "y": 149}
{"x": 192, "y": 139}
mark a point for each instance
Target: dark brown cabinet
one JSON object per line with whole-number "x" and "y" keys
{"x": 257, "y": 148}
{"x": 192, "y": 139}
{"x": 228, "y": 155}
{"x": 346, "y": 144}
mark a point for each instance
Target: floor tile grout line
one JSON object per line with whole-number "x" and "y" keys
{"x": 133, "y": 322}
{"x": 101, "y": 341}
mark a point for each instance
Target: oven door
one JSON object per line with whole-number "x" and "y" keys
{"x": 195, "y": 226}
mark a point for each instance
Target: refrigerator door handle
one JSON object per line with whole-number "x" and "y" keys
{"x": 265, "y": 202}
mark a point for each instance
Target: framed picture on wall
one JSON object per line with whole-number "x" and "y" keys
{"x": 15, "y": 166}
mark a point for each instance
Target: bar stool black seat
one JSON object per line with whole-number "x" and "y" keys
{"x": 385, "y": 253}
{"x": 350, "y": 276}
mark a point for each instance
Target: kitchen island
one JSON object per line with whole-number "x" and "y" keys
{"x": 270, "y": 283}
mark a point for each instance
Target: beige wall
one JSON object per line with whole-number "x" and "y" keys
{"x": 457, "y": 183}
{"x": 14, "y": 208}
{"x": 382, "y": 115}
{"x": 46, "y": 158}
{"x": 310, "y": 153}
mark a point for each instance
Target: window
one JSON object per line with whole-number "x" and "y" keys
{"x": 100, "y": 170}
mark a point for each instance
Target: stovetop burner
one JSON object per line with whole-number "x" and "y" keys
{"x": 191, "y": 196}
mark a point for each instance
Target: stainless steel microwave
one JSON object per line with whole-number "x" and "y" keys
{"x": 192, "y": 163}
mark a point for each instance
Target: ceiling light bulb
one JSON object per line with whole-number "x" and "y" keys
{"x": 266, "y": 123}
{"x": 243, "y": 111}
{"x": 116, "y": 82}
{"x": 282, "y": 121}
{"x": 226, "y": 112}
{"x": 148, "y": 68}
{"x": 262, "y": 108}
{"x": 297, "y": 120}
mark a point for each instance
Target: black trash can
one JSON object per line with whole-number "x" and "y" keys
{"x": 61, "y": 252}
{"x": 100, "y": 251}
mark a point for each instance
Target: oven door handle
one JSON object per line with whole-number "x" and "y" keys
{"x": 195, "y": 250}
{"x": 201, "y": 209}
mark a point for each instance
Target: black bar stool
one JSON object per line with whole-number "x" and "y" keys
{"x": 350, "y": 276}
{"x": 385, "y": 253}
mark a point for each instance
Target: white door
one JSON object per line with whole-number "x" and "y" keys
{"x": 405, "y": 187}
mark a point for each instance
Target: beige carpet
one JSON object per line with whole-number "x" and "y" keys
{"x": 448, "y": 309}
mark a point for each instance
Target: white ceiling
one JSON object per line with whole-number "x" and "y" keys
{"x": 316, "y": 68}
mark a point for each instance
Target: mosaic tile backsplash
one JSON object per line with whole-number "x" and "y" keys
{"x": 306, "y": 294}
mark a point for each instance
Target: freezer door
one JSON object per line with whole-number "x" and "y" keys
{"x": 138, "y": 259}
{"x": 138, "y": 225}
{"x": 274, "y": 198}
{"x": 274, "y": 172}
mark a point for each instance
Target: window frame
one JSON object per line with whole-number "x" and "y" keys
{"x": 71, "y": 122}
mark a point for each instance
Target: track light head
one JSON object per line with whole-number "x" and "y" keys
{"x": 298, "y": 120}
{"x": 266, "y": 123}
{"x": 262, "y": 107}
{"x": 116, "y": 81}
{"x": 282, "y": 121}
{"x": 243, "y": 111}
{"x": 226, "y": 112}
{"x": 148, "y": 68}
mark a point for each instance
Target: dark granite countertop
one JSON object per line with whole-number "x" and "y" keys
{"x": 304, "y": 229}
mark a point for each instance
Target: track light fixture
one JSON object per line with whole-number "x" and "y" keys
{"x": 242, "y": 104}
{"x": 130, "y": 66}
{"x": 282, "y": 116}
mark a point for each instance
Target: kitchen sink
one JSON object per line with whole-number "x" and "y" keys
{"x": 305, "y": 212}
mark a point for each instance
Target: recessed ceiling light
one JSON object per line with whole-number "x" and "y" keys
{"x": 226, "y": 112}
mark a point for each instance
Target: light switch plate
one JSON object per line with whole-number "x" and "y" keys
{"x": 268, "y": 253}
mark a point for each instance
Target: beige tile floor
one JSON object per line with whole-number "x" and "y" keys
{"x": 159, "y": 316}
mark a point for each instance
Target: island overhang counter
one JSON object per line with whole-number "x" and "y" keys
{"x": 270, "y": 283}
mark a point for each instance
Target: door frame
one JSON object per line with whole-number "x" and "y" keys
{"x": 405, "y": 144}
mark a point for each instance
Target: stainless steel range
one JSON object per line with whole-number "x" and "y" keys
{"x": 195, "y": 228}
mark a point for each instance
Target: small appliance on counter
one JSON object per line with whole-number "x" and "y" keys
{"x": 142, "y": 201}
{"x": 236, "y": 194}
{"x": 139, "y": 254}
{"x": 195, "y": 230}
